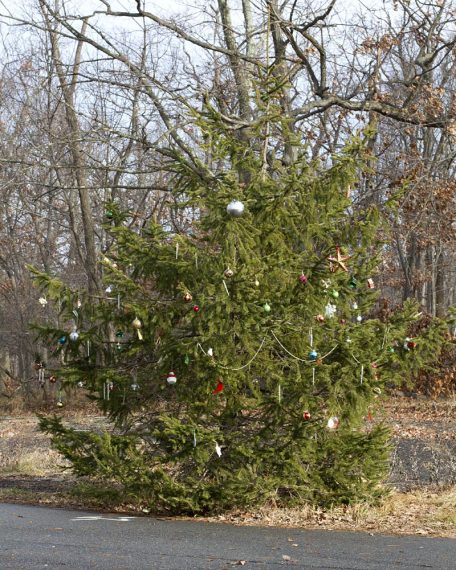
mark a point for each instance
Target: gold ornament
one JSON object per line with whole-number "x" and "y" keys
{"x": 338, "y": 262}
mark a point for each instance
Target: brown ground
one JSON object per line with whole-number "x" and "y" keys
{"x": 423, "y": 474}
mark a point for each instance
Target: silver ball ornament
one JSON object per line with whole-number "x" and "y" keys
{"x": 235, "y": 209}
{"x": 74, "y": 335}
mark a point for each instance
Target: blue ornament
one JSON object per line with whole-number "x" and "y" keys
{"x": 313, "y": 354}
{"x": 62, "y": 339}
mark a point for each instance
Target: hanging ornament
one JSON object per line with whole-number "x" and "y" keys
{"x": 370, "y": 284}
{"x": 119, "y": 346}
{"x": 313, "y": 355}
{"x": 109, "y": 214}
{"x": 218, "y": 449}
{"x": 210, "y": 352}
{"x": 342, "y": 321}
{"x": 334, "y": 294}
{"x": 338, "y": 262}
{"x": 359, "y": 318}
{"x": 74, "y": 335}
{"x": 355, "y": 306}
{"x": 187, "y": 297}
{"x": 353, "y": 283}
{"x": 80, "y": 384}
{"x": 409, "y": 344}
{"x": 187, "y": 359}
{"x": 333, "y": 422}
{"x": 60, "y": 404}
{"x": 320, "y": 318}
{"x": 78, "y": 304}
{"x": 135, "y": 387}
{"x": 119, "y": 334}
{"x": 62, "y": 340}
{"x": 257, "y": 283}
{"x": 109, "y": 289}
{"x": 42, "y": 301}
{"x": 330, "y": 310}
{"x": 391, "y": 349}
{"x": 267, "y": 308}
{"x": 306, "y": 415}
{"x": 326, "y": 284}
{"x": 137, "y": 324}
{"x": 52, "y": 379}
{"x": 235, "y": 209}
{"x": 108, "y": 386}
{"x": 219, "y": 388}
{"x": 171, "y": 379}
{"x": 228, "y": 273}
{"x": 196, "y": 308}
{"x": 302, "y": 278}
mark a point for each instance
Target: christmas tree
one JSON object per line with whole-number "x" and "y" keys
{"x": 240, "y": 360}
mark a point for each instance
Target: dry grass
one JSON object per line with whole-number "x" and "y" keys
{"x": 420, "y": 512}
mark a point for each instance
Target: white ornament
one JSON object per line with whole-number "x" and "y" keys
{"x": 42, "y": 301}
{"x": 235, "y": 209}
{"x": 80, "y": 384}
{"x": 135, "y": 387}
{"x": 359, "y": 318}
{"x": 325, "y": 283}
{"x": 406, "y": 341}
{"x": 355, "y": 306}
{"x": 74, "y": 335}
{"x": 171, "y": 378}
{"x": 333, "y": 422}
{"x": 218, "y": 449}
{"x": 109, "y": 289}
{"x": 330, "y": 310}
{"x": 210, "y": 352}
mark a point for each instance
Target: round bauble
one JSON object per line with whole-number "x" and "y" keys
{"x": 135, "y": 387}
{"x": 62, "y": 339}
{"x": 52, "y": 379}
{"x": 359, "y": 318}
{"x": 119, "y": 334}
{"x": 196, "y": 308}
{"x": 228, "y": 273}
{"x": 109, "y": 289}
{"x": 187, "y": 297}
{"x": 320, "y": 318}
{"x": 306, "y": 415}
{"x": 235, "y": 209}
{"x": 136, "y": 323}
{"x": 171, "y": 379}
{"x": 302, "y": 278}
{"x": 334, "y": 294}
{"x": 313, "y": 355}
{"x": 60, "y": 404}
{"x": 109, "y": 214}
{"x": 267, "y": 308}
{"x": 257, "y": 283}
{"x": 333, "y": 422}
{"x": 74, "y": 335}
{"x": 80, "y": 384}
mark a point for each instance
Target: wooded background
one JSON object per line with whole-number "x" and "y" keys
{"x": 98, "y": 99}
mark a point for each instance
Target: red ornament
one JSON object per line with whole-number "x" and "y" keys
{"x": 220, "y": 387}
{"x": 306, "y": 415}
{"x": 196, "y": 308}
{"x": 171, "y": 379}
{"x": 302, "y": 278}
{"x": 411, "y": 344}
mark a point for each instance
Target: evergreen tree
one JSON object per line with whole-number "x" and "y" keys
{"x": 240, "y": 360}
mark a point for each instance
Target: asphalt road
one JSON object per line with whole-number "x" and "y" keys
{"x": 36, "y": 537}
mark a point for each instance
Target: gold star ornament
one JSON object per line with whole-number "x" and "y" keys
{"x": 338, "y": 261}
